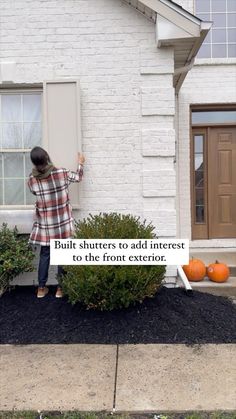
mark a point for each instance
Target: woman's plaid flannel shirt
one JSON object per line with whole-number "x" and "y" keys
{"x": 53, "y": 218}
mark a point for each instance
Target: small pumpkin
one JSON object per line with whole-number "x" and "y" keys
{"x": 218, "y": 272}
{"x": 195, "y": 270}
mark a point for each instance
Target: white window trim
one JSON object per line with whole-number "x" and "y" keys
{"x": 214, "y": 61}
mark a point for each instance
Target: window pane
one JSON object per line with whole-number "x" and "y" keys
{"x": 198, "y": 163}
{"x": 198, "y": 143}
{"x": 11, "y": 136}
{"x": 28, "y": 165}
{"x": 231, "y": 5}
{"x": 11, "y": 108}
{"x": 200, "y": 196}
{"x": 200, "y": 214}
{"x": 218, "y": 5}
{"x": 13, "y": 165}
{"x": 205, "y": 51}
{"x": 232, "y": 50}
{"x": 32, "y": 108}
{"x": 1, "y": 194}
{"x": 219, "y": 20}
{"x": 14, "y": 191}
{"x": 232, "y": 34}
{"x": 232, "y": 20}
{"x": 30, "y": 198}
{"x": 218, "y": 35}
{"x": 218, "y": 51}
{"x": 202, "y": 6}
{"x": 213, "y": 117}
{"x": 199, "y": 177}
{"x": 32, "y": 134}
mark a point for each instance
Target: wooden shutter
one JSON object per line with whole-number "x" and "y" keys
{"x": 61, "y": 126}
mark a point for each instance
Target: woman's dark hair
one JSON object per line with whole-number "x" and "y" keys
{"x": 39, "y": 157}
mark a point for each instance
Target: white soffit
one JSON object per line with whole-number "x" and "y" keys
{"x": 175, "y": 27}
{"x": 167, "y": 30}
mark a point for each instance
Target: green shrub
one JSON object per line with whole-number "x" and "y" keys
{"x": 16, "y": 256}
{"x": 107, "y": 287}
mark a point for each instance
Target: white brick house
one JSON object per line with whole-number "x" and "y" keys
{"x": 115, "y": 79}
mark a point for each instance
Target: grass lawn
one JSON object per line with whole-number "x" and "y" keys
{"x": 103, "y": 415}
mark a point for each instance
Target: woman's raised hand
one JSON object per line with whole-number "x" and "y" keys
{"x": 81, "y": 158}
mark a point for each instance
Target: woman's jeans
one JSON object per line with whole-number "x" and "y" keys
{"x": 44, "y": 262}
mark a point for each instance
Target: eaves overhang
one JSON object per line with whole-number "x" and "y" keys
{"x": 177, "y": 28}
{"x": 186, "y": 45}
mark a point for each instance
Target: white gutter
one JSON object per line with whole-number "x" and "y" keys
{"x": 204, "y": 29}
{"x": 181, "y": 11}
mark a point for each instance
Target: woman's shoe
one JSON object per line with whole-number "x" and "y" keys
{"x": 59, "y": 293}
{"x": 42, "y": 291}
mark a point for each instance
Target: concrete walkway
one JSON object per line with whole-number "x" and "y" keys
{"x": 125, "y": 378}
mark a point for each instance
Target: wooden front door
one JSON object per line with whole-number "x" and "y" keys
{"x": 222, "y": 182}
{"x": 214, "y": 182}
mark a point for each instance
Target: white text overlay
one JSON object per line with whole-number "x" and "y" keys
{"x": 119, "y": 252}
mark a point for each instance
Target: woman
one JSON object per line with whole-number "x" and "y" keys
{"x": 53, "y": 218}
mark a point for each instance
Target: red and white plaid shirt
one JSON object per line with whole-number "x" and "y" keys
{"x": 53, "y": 218}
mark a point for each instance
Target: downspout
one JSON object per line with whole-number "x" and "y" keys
{"x": 184, "y": 279}
{"x": 179, "y": 71}
{"x": 180, "y": 272}
{"x": 177, "y": 162}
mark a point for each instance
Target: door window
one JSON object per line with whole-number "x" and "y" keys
{"x": 213, "y": 117}
{"x": 199, "y": 174}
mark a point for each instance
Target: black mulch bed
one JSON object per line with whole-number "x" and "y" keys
{"x": 172, "y": 316}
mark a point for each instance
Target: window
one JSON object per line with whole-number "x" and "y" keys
{"x": 20, "y": 130}
{"x": 199, "y": 176}
{"x": 217, "y": 116}
{"x": 221, "y": 40}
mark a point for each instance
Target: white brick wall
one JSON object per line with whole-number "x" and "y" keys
{"x": 163, "y": 229}
{"x": 156, "y": 61}
{"x": 159, "y": 183}
{"x": 159, "y": 142}
{"x": 158, "y": 100}
{"x": 126, "y": 88}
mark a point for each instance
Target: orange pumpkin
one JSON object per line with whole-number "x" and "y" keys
{"x": 195, "y": 270}
{"x": 218, "y": 272}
